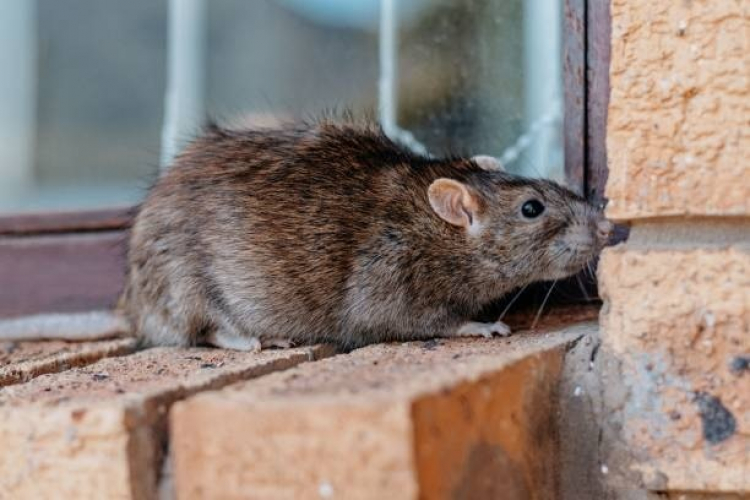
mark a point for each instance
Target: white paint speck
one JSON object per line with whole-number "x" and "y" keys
{"x": 71, "y": 433}
{"x": 578, "y": 391}
{"x": 605, "y": 469}
{"x": 710, "y": 320}
{"x": 325, "y": 490}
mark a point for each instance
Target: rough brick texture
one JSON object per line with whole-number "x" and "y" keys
{"x": 678, "y": 135}
{"x": 677, "y": 322}
{"x": 437, "y": 419}
{"x": 22, "y": 361}
{"x": 98, "y": 431}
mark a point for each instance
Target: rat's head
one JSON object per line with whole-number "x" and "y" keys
{"x": 526, "y": 229}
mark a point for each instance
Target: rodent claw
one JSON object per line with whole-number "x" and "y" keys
{"x": 486, "y": 330}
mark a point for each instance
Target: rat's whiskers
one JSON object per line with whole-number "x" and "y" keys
{"x": 583, "y": 288}
{"x": 512, "y": 301}
{"x": 544, "y": 302}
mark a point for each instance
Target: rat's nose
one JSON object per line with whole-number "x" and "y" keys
{"x": 604, "y": 229}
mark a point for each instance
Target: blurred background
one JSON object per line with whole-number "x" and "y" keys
{"x": 85, "y": 85}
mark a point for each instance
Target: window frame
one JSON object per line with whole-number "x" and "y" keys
{"x": 75, "y": 261}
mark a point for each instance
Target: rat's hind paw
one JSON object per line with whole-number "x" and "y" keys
{"x": 487, "y": 330}
{"x": 226, "y": 340}
{"x": 278, "y": 343}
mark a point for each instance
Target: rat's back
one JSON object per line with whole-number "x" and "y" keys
{"x": 253, "y": 234}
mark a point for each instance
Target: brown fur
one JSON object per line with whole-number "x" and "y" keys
{"x": 324, "y": 232}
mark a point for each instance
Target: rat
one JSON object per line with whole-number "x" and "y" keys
{"x": 331, "y": 232}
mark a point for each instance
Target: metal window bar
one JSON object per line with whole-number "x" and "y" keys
{"x": 18, "y": 96}
{"x": 543, "y": 96}
{"x": 184, "y": 108}
{"x": 388, "y": 84}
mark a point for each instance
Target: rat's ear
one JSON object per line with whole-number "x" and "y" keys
{"x": 489, "y": 163}
{"x": 453, "y": 202}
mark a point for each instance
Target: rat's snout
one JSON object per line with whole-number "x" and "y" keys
{"x": 604, "y": 229}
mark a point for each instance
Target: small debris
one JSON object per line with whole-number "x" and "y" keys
{"x": 710, "y": 320}
{"x": 98, "y": 377}
{"x": 578, "y": 391}
{"x": 430, "y": 345}
{"x": 739, "y": 365}
{"x": 594, "y": 352}
{"x": 682, "y": 28}
{"x": 605, "y": 469}
{"x": 10, "y": 347}
{"x": 718, "y": 422}
{"x": 325, "y": 490}
{"x": 71, "y": 433}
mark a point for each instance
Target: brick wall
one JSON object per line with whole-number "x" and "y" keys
{"x": 676, "y": 319}
{"x": 460, "y": 418}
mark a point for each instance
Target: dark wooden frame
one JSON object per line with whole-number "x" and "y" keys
{"x": 598, "y": 33}
{"x": 586, "y": 52}
{"x": 574, "y": 81}
{"x": 66, "y": 222}
{"x": 62, "y": 262}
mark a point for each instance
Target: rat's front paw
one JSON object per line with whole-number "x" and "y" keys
{"x": 225, "y": 340}
{"x": 488, "y": 330}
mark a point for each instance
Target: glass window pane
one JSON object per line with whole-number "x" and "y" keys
{"x": 92, "y": 86}
{"x": 82, "y": 97}
{"x": 294, "y": 58}
{"x": 476, "y": 75}
{"x": 473, "y": 77}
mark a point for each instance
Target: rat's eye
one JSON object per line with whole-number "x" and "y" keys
{"x": 532, "y": 209}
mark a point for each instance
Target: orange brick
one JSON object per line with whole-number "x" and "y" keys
{"x": 22, "y": 361}
{"x": 704, "y": 496}
{"x": 438, "y": 419}
{"x": 677, "y": 321}
{"x": 678, "y": 137}
{"x": 98, "y": 431}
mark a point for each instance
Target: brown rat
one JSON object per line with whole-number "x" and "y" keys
{"x": 330, "y": 232}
